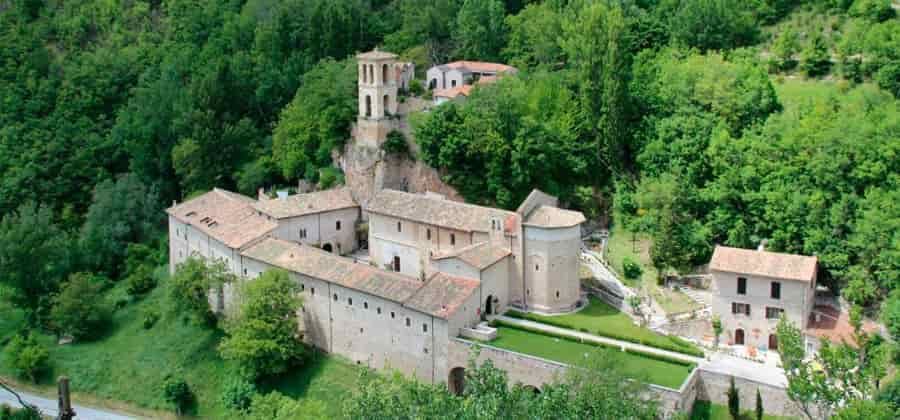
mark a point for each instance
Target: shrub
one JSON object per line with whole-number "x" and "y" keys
{"x": 631, "y": 268}
{"x": 190, "y": 287}
{"x": 79, "y": 309}
{"x": 141, "y": 281}
{"x": 329, "y": 177}
{"x": 177, "y": 392}
{"x": 238, "y": 394}
{"x": 150, "y": 318}
{"x": 395, "y": 143}
{"x": 28, "y": 413}
{"x": 28, "y": 358}
{"x": 888, "y": 77}
{"x": 415, "y": 87}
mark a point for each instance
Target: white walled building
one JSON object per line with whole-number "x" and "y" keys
{"x": 439, "y": 266}
{"x": 752, "y": 288}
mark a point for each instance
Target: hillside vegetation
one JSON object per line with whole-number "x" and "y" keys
{"x": 693, "y": 122}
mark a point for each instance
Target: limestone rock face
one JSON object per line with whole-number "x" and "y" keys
{"x": 368, "y": 169}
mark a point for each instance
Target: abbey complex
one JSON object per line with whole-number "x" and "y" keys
{"x": 434, "y": 267}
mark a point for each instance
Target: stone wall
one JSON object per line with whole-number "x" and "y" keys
{"x": 713, "y": 386}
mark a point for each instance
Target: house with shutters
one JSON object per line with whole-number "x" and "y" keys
{"x": 752, "y": 289}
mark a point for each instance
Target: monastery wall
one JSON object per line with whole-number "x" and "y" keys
{"x": 321, "y": 229}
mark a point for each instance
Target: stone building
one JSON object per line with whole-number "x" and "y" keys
{"x": 459, "y": 73}
{"x": 378, "y": 83}
{"x": 438, "y": 266}
{"x": 753, "y": 288}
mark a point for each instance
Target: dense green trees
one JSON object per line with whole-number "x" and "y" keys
{"x": 195, "y": 282}
{"x": 487, "y": 394}
{"x": 80, "y": 310}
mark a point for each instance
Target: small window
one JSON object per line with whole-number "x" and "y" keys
{"x": 245, "y": 271}
{"x": 399, "y": 227}
{"x": 408, "y": 323}
{"x": 312, "y": 291}
{"x": 776, "y": 290}
{"x": 337, "y": 225}
{"x": 428, "y": 234}
{"x": 773, "y": 313}
{"x": 742, "y": 286}
{"x": 424, "y": 327}
{"x": 452, "y": 239}
{"x": 350, "y": 301}
{"x": 302, "y": 287}
{"x": 392, "y": 315}
{"x": 537, "y": 267}
{"x": 365, "y": 305}
{"x": 378, "y": 310}
{"x": 335, "y": 297}
{"x": 426, "y": 351}
{"x": 740, "y": 308}
{"x": 360, "y": 330}
{"x": 557, "y": 294}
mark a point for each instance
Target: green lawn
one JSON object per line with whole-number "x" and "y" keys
{"x": 601, "y": 319}
{"x": 651, "y": 370}
{"x": 130, "y": 363}
{"x": 622, "y": 244}
{"x": 705, "y": 410}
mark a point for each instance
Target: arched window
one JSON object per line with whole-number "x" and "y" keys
{"x": 371, "y": 73}
{"x": 384, "y": 73}
{"x": 387, "y": 103}
{"x": 368, "y": 106}
{"x": 365, "y": 78}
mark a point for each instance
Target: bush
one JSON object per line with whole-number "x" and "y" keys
{"x": 150, "y": 318}
{"x": 890, "y": 394}
{"x": 631, "y": 268}
{"x": 888, "y": 77}
{"x": 177, "y": 392}
{"x": 415, "y": 87}
{"x": 329, "y": 177}
{"x": 395, "y": 143}
{"x": 238, "y": 394}
{"x": 28, "y": 358}
{"x": 79, "y": 309}
{"x": 9, "y": 413}
{"x": 141, "y": 281}
{"x": 190, "y": 287}
{"x": 734, "y": 401}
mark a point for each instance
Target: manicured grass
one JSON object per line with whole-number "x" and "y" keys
{"x": 601, "y": 319}
{"x": 129, "y": 364}
{"x": 622, "y": 244}
{"x": 705, "y": 410}
{"x": 573, "y": 353}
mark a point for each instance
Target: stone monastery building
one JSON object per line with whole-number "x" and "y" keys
{"x": 435, "y": 266}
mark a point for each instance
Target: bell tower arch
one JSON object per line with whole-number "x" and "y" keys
{"x": 377, "y": 81}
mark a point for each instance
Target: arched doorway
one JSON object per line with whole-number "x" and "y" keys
{"x": 327, "y": 247}
{"x": 432, "y": 84}
{"x": 739, "y": 336}
{"x": 773, "y": 342}
{"x": 489, "y": 305}
{"x": 456, "y": 383}
{"x": 368, "y": 106}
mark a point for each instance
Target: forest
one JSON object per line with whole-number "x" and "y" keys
{"x": 661, "y": 114}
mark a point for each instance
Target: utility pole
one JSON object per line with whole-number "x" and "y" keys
{"x": 65, "y": 401}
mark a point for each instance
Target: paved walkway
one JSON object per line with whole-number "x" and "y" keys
{"x": 48, "y": 407}
{"x": 598, "y": 339}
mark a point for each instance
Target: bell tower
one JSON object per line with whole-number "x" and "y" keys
{"x": 377, "y": 95}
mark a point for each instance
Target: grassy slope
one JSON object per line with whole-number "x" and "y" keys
{"x": 602, "y": 319}
{"x": 621, "y": 245}
{"x": 129, "y": 364}
{"x": 654, "y": 371}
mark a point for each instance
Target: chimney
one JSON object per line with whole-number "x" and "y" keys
{"x": 762, "y": 245}
{"x": 261, "y": 194}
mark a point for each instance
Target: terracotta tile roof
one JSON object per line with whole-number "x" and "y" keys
{"x": 834, "y": 325}
{"x": 437, "y": 211}
{"x": 376, "y": 55}
{"x": 479, "y": 67}
{"x": 464, "y": 90}
{"x": 309, "y": 203}
{"x": 396, "y": 287}
{"x": 481, "y": 255}
{"x": 764, "y": 263}
{"x": 225, "y": 216}
{"x": 553, "y": 217}
{"x": 442, "y": 295}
